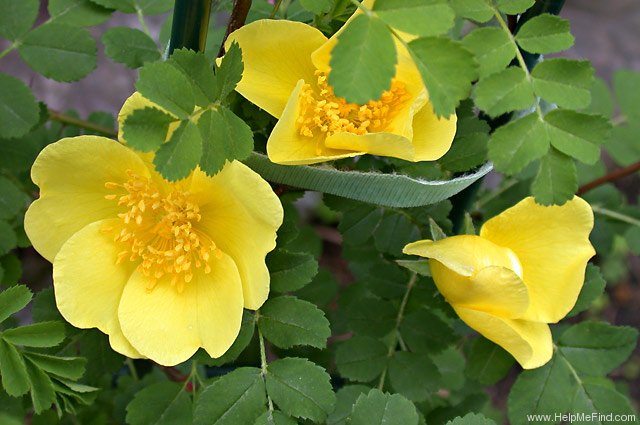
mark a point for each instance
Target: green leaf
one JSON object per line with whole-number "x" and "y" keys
{"x": 9, "y": 238}
{"x": 394, "y": 232}
{"x": 145, "y": 7}
{"x": 180, "y": 155}
{"x": 472, "y": 419}
{"x": 199, "y": 71}
{"x": 361, "y": 358}
{"x": 426, "y": 339}
{"x": 42, "y": 393}
{"x": 129, "y": 46}
{"x": 542, "y": 391}
{"x": 603, "y": 402}
{"x": 596, "y": 348}
{"x": 492, "y": 47}
{"x": 447, "y": 69}
{"x": 225, "y": 138}
{"x": 363, "y": 61}
{"x": 13, "y": 300}
{"x": 146, "y": 129}
{"x": 229, "y": 73}
{"x": 165, "y": 85}
{"x": 391, "y": 190}
{"x": 162, "y": 403}
{"x": 316, "y": 6}
{"x": 358, "y": 224}
{"x": 12, "y": 199}
{"x": 322, "y": 289}
{"x": 378, "y": 408}
{"x": 545, "y": 33}
{"x": 242, "y": 341}
{"x": 601, "y": 99}
{"x": 17, "y": 17}
{"x": 625, "y": 83}
{"x": 565, "y": 82}
{"x": 274, "y": 418}
{"x": 592, "y": 289}
{"x": 80, "y": 13}
{"x": 13, "y": 370}
{"x": 624, "y": 145}
{"x": 576, "y": 134}
{"x": 420, "y": 267}
{"x": 632, "y": 236}
{"x": 43, "y": 334}
{"x": 513, "y": 7}
{"x": 372, "y": 317}
{"x": 504, "y": 91}
{"x": 469, "y": 148}
{"x": 345, "y": 399}
{"x": 18, "y": 108}
{"x": 237, "y": 398}
{"x": 414, "y": 375}
{"x": 60, "y": 52}
{"x": 287, "y": 321}
{"x": 419, "y": 17}
{"x": 436, "y": 231}
{"x": 64, "y": 367}
{"x": 556, "y": 181}
{"x": 300, "y": 388}
{"x": 515, "y": 145}
{"x": 476, "y": 10}
{"x": 488, "y": 362}
{"x": 290, "y": 270}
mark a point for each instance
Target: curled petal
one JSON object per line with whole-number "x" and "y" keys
{"x": 276, "y": 54}
{"x": 71, "y": 175}
{"x": 552, "y": 243}
{"x": 432, "y": 136}
{"x": 528, "y": 342}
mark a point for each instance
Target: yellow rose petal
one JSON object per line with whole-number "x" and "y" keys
{"x": 71, "y": 175}
{"x": 276, "y": 54}
{"x": 552, "y": 243}
{"x": 529, "y": 343}
{"x": 432, "y": 136}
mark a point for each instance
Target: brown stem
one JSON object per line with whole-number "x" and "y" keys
{"x": 76, "y": 122}
{"x": 612, "y": 176}
{"x": 237, "y": 19}
{"x": 174, "y": 374}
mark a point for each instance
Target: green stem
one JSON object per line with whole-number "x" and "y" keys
{"x": 190, "y": 25}
{"x": 6, "y": 51}
{"x": 263, "y": 362}
{"x": 76, "y": 122}
{"x": 615, "y": 215}
{"x": 395, "y": 335}
{"x": 276, "y": 7}
{"x": 132, "y": 369}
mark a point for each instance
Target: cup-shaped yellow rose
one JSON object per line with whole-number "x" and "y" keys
{"x": 162, "y": 267}
{"x": 286, "y": 65}
{"x": 525, "y": 270}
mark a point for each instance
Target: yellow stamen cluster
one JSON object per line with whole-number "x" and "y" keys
{"x": 321, "y": 110}
{"x": 158, "y": 231}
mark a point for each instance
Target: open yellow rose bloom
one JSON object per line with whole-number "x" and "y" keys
{"x": 163, "y": 268}
{"x": 286, "y": 65}
{"x": 525, "y": 270}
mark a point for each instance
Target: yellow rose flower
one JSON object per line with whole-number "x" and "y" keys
{"x": 525, "y": 270}
{"x": 286, "y": 65}
{"x": 162, "y": 267}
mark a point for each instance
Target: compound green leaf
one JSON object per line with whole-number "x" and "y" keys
{"x": 11, "y": 199}
{"x": 165, "y": 85}
{"x": 81, "y": 13}
{"x": 162, "y": 403}
{"x": 42, "y": 334}
{"x": 199, "y": 71}
{"x": 59, "y": 51}
{"x": 426, "y": 339}
{"x": 378, "y": 408}
{"x": 42, "y": 392}
{"x": 476, "y": 10}
{"x": 601, "y": 403}
{"x": 229, "y": 73}
{"x": 576, "y": 134}
{"x": 469, "y": 148}
{"x": 363, "y": 61}
{"x": 290, "y": 271}
{"x": 345, "y": 399}
{"x": 472, "y": 419}
{"x": 447, "y": 69}
{"x": 13, "y": 300}
{"x": 557, "y": 180}
{"x": 287, "y": 321}
{"x": 488, "y": 362}
{"x": 372, "y": 317}
{"x": 300, "y": 388}
{"x": 565, "y": 82}
{"x": 625, "y": 83}
{"x": 492, "y": 47}
{"x": 317, "y": 6}
{"x": 19, "y": 110}
{"x": 394, "y": 232}
{"x": 624, "y": 144}
{"x": 9, "y": 238}
{"x": 516, "y": 144}
{"x": 237, "y": 398}
{"x": 414, "y": 375}
{"x": 64, "y": 367}
{"x": 17, "y": 17}
{"x": 513, "y": 7}
{"x": 504, "y": 91}
{"x": 593, "y": 288}
{"x": 420, "y": 17}
{"x": 545, "y": 33}
{"x": 129, "y": 46}
{"x": 180, "y": 155}
{"x": 13, "y": 370}
{"x": 361, "y": 358}
{"x": 274, "y": 418}
{"x": 146, "y": 129}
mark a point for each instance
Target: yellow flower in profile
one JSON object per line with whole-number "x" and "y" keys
{"x": 286, "y": 65}
{"x": 162, "y": 267}
{"x": 525, "y": 270}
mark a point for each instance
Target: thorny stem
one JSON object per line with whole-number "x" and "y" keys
{"x": 76, "y": 122}
{"x": 263, "y": 362}
{"x": 238, "y": 17}
{"x": 612, "y": 176}
{"x": 395, "y": 335}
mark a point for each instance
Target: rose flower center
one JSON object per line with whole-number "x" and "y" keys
{"x": 322, "y": 111}
{"x": 158, "y": 232}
